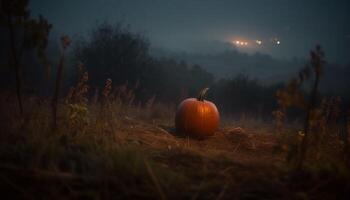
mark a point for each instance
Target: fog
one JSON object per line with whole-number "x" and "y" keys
{"x": 199, "y": 26}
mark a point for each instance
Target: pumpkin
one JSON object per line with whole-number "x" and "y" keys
{"x": 197, "y": 117}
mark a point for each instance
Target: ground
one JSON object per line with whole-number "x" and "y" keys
{"x": 146, "y": 159}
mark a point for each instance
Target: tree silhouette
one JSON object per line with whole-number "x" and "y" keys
{"x": 24, "y": 33}
{"x": 65, "y": 42}
{"x": 317, "y": 62}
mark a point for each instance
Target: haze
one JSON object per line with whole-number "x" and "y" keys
{"x": 207, "y": 25}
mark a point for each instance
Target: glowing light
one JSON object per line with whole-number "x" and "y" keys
{"x": 240, "y": 43}
{"x": 258, "y": 42}
{"x": 278, "y": 42}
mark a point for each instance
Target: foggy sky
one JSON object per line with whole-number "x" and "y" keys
{"x": 194, "y": 25}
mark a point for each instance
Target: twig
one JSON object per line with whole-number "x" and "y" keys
{"x": 9, "y": 182}
{"x": 155, "y": 180}
{"x": 239, "y": 143}
{"x": 164, "y": 131}
{"x": 225, "y": 136}
{"x": 221, "y": 194}
{"x": 196, "y": 195}
{"x": 16, "y": 62}
{"x": 318, "y": 186}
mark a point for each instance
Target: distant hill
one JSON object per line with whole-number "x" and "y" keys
{"x": 268, "y": 70}
{"x": 231, "y": 62}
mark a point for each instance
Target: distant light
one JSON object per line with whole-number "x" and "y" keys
{"x": 240, "y": 43}
{"x": 258, "y": 42}
{"x": 278, "y": 42}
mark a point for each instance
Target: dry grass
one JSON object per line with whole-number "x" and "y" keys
{"x": 123, "y": 151}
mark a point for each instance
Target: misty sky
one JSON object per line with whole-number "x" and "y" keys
{"x": 201, "y": 25}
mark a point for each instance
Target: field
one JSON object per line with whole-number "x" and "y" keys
{"x": 123, "y": 151}
{"x": 92, "y": 114}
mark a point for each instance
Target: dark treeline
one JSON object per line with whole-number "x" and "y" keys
{"x": 244, "y": 95}
{"x": 116, "y": 53}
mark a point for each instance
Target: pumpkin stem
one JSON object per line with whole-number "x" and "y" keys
{"x": 201, "y": 94}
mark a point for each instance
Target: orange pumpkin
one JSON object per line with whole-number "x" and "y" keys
{"x": 197, "y": 117}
